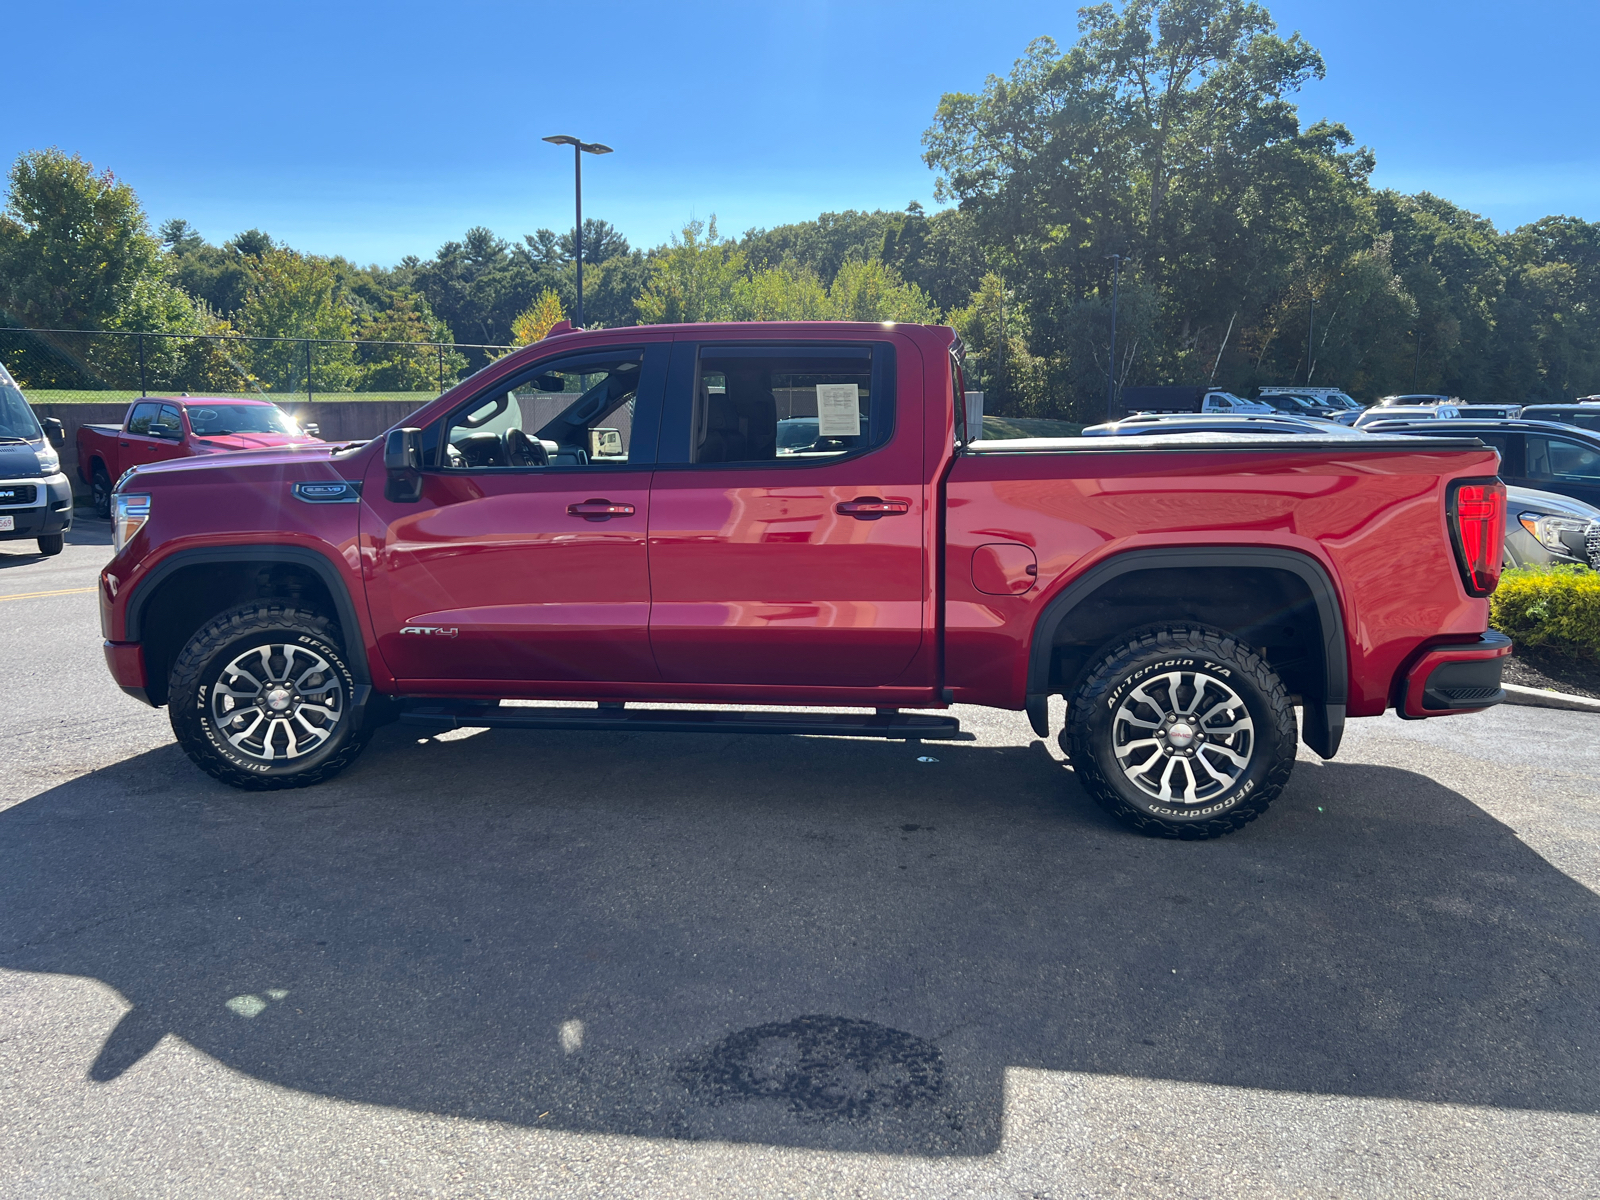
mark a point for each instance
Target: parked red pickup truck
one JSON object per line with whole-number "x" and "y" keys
{"x": 158, "y": 429}
{"x": 791, "y": 514}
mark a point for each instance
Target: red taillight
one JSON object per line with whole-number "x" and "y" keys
{"x": 1477, "y": 514}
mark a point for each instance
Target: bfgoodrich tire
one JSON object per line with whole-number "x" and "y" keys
{"x": 261, "y": 699}
{"x": 1182, "y": 732}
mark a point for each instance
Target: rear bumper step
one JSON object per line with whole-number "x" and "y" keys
{"x": 1446, "y": 680}
{"x": 910, "y": 726}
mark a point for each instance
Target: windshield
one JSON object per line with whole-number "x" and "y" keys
{"x": 216, "y": 420}
{"x": 796, "y": 434}
{"x": 16, "y": 418}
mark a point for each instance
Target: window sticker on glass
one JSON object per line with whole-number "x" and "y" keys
{"x": 838, "y": 410}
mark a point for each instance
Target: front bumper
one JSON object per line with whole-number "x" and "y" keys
{"x": 1458, "y": 678}
{"x": 125, "y": 660}
{"x": 50, "y": 511}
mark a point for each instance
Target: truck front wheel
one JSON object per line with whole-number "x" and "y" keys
{"x": 1182, "y": 732}
{"x": 260, "y": 698}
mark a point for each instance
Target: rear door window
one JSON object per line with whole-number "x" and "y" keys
{"x": 142, "y": 416}
{"x": 788, "y": 405}
{"x": 1556, "y": 459}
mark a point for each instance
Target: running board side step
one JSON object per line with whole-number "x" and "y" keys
{"x": 609, "y": 718}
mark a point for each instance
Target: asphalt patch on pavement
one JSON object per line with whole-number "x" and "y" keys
{"x": 822, "y": 1068}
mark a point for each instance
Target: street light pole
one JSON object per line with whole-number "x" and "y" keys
{"x": 1311, "y": 325}
{"x": 579, "y": 149}
{"x": 1111, "y": 365}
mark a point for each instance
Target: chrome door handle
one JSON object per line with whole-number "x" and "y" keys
{"x": 599, "y": 510}
{"x": 870, "y": 508}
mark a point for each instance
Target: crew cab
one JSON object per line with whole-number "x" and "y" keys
{"x": 1185, "y": 593}
{"x": 158, "y": 429}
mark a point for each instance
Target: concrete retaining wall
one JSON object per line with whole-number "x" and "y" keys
{"x": 340, "y": 421}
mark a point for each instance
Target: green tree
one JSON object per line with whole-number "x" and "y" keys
{"x": 782, "y": 293}
{"x": 293, "y": 295}
{"x": 393, "y": 362}
{"x": 74, "y": 244}
{"x": 821, "y": 246}
{"x": 1164, "y": 135}
{"x": 535, "y": 322}
{"x": 693, "y": 278}
{"x": 479, "y": 284}
{"x": 870, "y": 291}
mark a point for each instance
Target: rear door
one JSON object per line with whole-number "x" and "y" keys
{"x": 788, "y": 515}
{"x": 136, "y": 446}
{"x": 525, "y": 559}
{"x": 1568, "y": 466}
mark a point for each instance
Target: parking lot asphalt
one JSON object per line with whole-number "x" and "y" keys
{"x": 553, "y": 964}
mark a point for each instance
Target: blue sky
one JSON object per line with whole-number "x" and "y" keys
{"x": 380, "y": 130}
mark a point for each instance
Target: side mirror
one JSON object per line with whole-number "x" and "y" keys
{"x": 402, "y": 459}
{"x": 55, "y": 432}
{"x": 311, "y": 428}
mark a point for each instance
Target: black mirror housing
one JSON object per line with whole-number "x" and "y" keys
{"x": 55, "y": 432}
{"x": 402, "y": 459}
{"x": 311, "y": 428}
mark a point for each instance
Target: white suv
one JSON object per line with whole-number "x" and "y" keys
{"x": 1227, "y": 402}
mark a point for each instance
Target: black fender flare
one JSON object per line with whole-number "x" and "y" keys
{"x": 345, "y": 609}
{"x": 1323, "y": 723}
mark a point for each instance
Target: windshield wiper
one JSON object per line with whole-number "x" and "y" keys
{"x": 8, "y": 439}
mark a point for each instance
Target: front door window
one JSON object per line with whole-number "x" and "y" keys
{"x": 573, "y": 414}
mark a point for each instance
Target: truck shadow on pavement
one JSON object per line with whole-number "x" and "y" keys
{"x": 806, "y": 942}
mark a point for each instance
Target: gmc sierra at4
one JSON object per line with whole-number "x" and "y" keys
{"x": 612, "y": 518}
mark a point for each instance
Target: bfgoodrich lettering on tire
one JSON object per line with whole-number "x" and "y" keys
{"x": 260, "y": 698}
{"x": 1182, "y": 732}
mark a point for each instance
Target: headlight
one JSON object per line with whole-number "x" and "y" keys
{"x": 1548, "y": 530}
{"x": 49, "y": 461}
{"x": 128, "y": 515}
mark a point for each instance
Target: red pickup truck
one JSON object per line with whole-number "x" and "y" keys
{"x": 158, "y": 429}
{"x": 791, "y": 514}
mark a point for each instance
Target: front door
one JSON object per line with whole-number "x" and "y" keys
{"x": 525, "y": 558}
{"x": 1564, "y": 465}
{"x": 788, "y": 515}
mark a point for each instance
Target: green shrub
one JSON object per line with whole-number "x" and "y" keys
{"x": 1556, "y": 608}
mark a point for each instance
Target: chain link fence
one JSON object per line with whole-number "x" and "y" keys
{"x": 56, "y": 366}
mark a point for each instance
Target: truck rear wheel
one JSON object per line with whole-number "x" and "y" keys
{"x": 1182, "y": 732}
{"x": 100, "y": 491}
{"x": 260, "y": 698}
